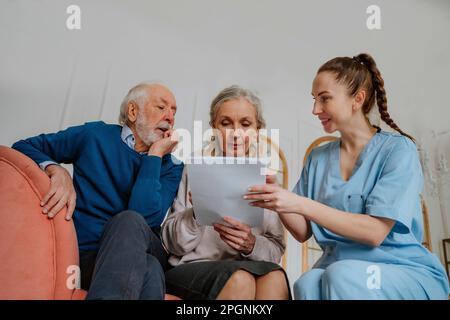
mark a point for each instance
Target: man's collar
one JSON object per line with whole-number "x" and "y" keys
{"x": 126, "y": 132}
{"x": 128, "y": 137}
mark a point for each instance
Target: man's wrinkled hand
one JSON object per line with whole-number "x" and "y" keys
{"x": 61, "y": 193}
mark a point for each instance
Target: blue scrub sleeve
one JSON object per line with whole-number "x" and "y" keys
{"x": 301, "y": 188}
{"x": 396, "y": 194}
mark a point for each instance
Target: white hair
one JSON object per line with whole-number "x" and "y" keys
{"x": 140, "y": 94}
{"x": 232, "y": 93}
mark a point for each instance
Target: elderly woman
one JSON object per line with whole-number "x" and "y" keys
{"x": 231, "y": 261}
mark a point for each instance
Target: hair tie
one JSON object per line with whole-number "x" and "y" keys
{"x": 358, "y": 60}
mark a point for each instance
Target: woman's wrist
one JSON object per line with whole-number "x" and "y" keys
{"x": 303, "y": 206}
{"x": 246, "y": 253}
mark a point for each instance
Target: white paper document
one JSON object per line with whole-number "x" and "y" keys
{"x": 218, "y": 188}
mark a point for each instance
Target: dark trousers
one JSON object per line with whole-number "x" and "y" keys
{"x": 129, "y": 264}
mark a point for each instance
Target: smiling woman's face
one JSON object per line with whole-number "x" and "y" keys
{"x": 332, "y": 103}
{"x": 236, "y": 122}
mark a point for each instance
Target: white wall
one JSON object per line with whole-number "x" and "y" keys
{"x": 51, "y": 77}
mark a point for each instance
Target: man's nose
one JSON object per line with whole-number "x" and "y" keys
{"x": 169, "y": 116}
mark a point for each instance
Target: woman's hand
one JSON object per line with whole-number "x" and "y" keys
{"x": 239, "y": 236}
{"x": 275, "y": 198}
{"x": 271, "y": 179}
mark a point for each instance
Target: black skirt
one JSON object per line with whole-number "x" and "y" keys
{"x": 204, "y": 280}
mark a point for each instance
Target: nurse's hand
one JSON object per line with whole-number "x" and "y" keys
{"x": 271, "y": 179}
{"x": 275, "y": 198}
{"x": 239, "y": 236}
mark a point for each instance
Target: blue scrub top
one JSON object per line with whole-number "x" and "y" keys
{"x": 386, "y": 182}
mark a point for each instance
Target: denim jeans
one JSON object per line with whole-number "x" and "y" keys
{"x": 129, "y": 264}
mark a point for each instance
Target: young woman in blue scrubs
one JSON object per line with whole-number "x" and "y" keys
{"x": 359, "y": 196}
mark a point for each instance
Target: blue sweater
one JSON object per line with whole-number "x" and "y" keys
{"x": 108, "y": 176}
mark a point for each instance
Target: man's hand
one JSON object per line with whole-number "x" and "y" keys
{"x": 61, "y": 193}
{"x": 164, "y": 146}
{"x": 239, "y": 236}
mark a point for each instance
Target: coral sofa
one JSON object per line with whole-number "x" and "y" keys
{"x": 39, "y": 256}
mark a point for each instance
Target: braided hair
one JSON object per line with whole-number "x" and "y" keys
{"x": 361, "y": 72}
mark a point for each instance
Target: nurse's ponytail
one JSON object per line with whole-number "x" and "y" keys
{"x": 361, "y": 72}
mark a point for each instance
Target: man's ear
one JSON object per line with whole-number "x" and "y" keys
{"x": 132, "y": 111}
{"x": 358, "y": 100}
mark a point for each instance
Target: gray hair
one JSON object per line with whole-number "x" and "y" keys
{"x": 233, "y": 93}
{"x": 140, "y": 94}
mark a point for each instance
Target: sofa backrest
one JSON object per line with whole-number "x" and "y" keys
{"x": 38, "y": 256}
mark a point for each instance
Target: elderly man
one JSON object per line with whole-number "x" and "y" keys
{"x": 124, "y": 181}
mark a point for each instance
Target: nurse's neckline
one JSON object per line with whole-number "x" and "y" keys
{"x": 357, "y": 164}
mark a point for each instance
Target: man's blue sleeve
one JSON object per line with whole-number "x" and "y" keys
{"x": 60, "y": 147}
{"x": 153, "y": 193}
